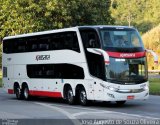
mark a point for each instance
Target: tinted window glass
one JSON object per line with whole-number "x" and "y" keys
{"x": 121, "y": 40}
{"x": 65, "y": 71}
{"x": 4, "y": 71}
{"x": 56, "y": 41}
{"x": 95, "y": 62}
{"x": 90, "y": 39}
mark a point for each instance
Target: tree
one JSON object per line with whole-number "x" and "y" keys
{"x": 24, "y": 16}
{"x": 143, "y": 14}
{"x": 37, "y": 15}
{"x": 151, "y": 41}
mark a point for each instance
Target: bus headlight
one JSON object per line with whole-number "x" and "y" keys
{"x": 146, "y": 87}
{"x": 109, "y": 87}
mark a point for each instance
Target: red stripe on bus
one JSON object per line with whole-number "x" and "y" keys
{"x": 126, "y": 55}
{"x": 10, "y": 91}
{"x": 45, "y": 93}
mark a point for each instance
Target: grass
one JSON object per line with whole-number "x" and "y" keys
{"x": 154, "y": 86}
{"x": 0, "y": 78}
{"x": 0, "y": 82}
{"x": 0, "y": 74}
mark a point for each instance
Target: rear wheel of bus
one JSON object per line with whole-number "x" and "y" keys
{"x": 83, "y": 97}
{"x": 25, "y": 92}
{"x": 17, "y": 91}
{"x": 69, "y": 96}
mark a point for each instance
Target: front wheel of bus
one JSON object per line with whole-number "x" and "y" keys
{"x": 70, "y": 96}
{"x": 83, "y": 97}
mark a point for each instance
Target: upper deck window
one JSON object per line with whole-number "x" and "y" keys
{"x": 120, "y": 38}
{"x": 55, "y": 41}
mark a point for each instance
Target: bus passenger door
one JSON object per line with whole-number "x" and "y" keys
{"x": 90, "y": 39}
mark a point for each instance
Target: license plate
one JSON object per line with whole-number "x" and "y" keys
{"x": 130, "y": 97}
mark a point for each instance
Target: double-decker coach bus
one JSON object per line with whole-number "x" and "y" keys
{"x": 79, "y": 64}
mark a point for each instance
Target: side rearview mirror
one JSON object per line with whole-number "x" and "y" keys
{"x": 154, "y": 55}
{"x": 100, "y": 52}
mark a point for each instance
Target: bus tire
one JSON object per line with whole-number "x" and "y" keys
{"x": 83, "y": 97}
{"x": 120, "y": 103}
{"x": 69, "y": 96}
{"x": 18, "y": 93}
{"x": 25, "y": 92}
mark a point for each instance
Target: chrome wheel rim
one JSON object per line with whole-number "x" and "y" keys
{"x": 18, "y": 93}
{"x": 83, "y": 97}
{"x": 70, "y": 96}
{"x": 26, "y": 93}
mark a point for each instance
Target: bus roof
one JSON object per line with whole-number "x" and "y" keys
{"x": 40, "y": 33}
{"x": 107, "y": 26}
{"x": 65, "y": 29}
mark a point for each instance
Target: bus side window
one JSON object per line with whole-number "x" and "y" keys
{"x": 95, "y": 62}
{"x": 21, "y": 48}
{"x": 67, "y": 41}
{"x": 4, "y": 71}
{"x": 55, "y": 71}
{"x": 90, "y": 39}
{"x": 54, "y": 46}
{"x": 43, "y": 47}
{"x": 34, "y": 47}
{"x": 56, "y": 41}
{"x": 15, "y": 46}
{"x": 75, "y": 43}
{"x": 53, "y": 43}
{"x": 43, "y": 43}
{"x": 50, "y": 72}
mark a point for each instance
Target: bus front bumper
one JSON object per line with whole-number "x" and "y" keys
{"x": 115, "y": 96}
{"x": 135, "y": 92}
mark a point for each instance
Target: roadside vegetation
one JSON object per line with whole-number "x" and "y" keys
{"x": 0, "y": 78}
{"x": 151, "y": 41}
{"x": 0, "y": 82}
{"x": 154, "y": 86}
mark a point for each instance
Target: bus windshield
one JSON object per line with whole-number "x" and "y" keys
{"x": 132, "y": 71}
{"x": 120, "y": 38}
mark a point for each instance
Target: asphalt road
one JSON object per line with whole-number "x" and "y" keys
{"x": 47, "y": 111}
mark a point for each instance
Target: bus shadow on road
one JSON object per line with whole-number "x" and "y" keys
{"x": 129, "y": 104}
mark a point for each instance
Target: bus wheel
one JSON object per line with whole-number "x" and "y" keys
{"x": 120, "y": 103}
{"x": 25, "y": 92}
{"x": 83, "y": 97}
{"x": 18, "y": 93}
{"x": 70, "y": 97}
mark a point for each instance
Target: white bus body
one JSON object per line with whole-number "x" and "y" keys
{"x": 30, "y": 70}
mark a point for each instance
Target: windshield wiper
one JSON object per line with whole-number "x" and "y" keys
{"x": 134, "y": 81}
{"x": 115, "y": 81}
